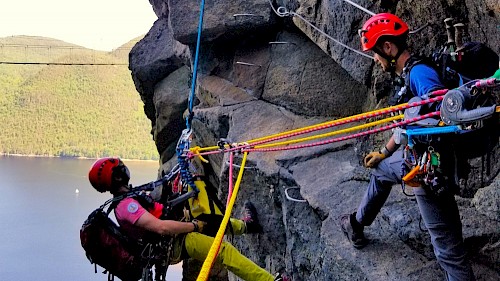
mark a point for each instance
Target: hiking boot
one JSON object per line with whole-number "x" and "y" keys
{"x": 353, "y": 230}
{"x": 282, "y": 277}
{"x": 251, "y": 220}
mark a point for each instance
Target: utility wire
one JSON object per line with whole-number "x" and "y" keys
{"x": 59, "y": 63}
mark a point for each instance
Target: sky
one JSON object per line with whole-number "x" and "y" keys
{"x": 96, "y": 24}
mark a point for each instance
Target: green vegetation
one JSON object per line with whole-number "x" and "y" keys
{"x": 70, "y": 110}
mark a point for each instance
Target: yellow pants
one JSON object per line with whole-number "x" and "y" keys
{"x": 198, "y": 245}
{"x": 238, "y": 227}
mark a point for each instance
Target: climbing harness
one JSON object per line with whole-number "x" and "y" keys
{"x": 462, "y": 111}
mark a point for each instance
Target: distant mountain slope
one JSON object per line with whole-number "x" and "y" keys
{"x": 70, "y": 110}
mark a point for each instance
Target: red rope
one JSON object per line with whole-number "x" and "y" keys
{"x": 372, "y": 131}
{"x": 246, "y": 147}
{"x": 230, "y": 190}
{"x": 438, "y": 97}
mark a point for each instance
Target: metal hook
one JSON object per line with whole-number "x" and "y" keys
{"x": 248, "y": 64}
{"x": 247, "y": 15}
{"x": 419, "y": 29}
{"x": 238, "y": 166}
{"x": 293, "y": 199}
{"x": 282, "y": 42}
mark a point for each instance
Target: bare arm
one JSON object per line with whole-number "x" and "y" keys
{"x": 163, "y": 227}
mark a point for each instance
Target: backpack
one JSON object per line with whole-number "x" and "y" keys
{"x": 473, "y": 61}
{"x": 105, "y": 245}
{"x": 470, "y": 110}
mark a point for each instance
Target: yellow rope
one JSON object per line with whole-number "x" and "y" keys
{"x": 201, "y": 149}
{"x": 209, "y": 148}
{"x": 343, "y": 131}
{"x": 214, "y": 249}
{"x": 327, "y": 123}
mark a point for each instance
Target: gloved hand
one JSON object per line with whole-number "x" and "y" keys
{"x": 198, "y": 225}
{"x": 373, "y": 158}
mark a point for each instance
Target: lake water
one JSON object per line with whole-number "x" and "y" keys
{"x": 42, "y": 214}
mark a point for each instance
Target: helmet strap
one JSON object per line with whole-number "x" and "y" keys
{"x": 392, "y": 60}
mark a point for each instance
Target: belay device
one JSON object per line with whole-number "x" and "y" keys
{"x": 468, "y": 103}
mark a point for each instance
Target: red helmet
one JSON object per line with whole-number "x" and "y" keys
{"x": 379, "y": 25}
{"x": 104, "y": 171}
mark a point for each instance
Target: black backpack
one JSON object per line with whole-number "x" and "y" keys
{"x": 474, "y": 60}
{"x": 105, "y": 245}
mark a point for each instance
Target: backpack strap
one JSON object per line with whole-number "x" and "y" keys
{"x": 413, "y": 61}
{"x": 403, "y": 92}
{"x": 113, "y": 202}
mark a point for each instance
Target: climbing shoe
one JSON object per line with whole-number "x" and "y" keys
{"x": 251, "y": 220}
{"x": 353, "y": 230}
{"x": 282, "y": 277}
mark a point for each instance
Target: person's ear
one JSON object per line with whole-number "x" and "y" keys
{"x": 387, "y": 47}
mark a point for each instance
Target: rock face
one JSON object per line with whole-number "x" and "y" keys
{"x": 260, "y": 74}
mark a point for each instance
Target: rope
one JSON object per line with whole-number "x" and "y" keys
{"x": 342, "y": 121}
{"x": 214, "y": 249}
{"x": 283, "y": 12}
{"x": 347, "y": 130}
{"x": 195, "y": 67}
{"x": 373, "y": 131}
{"x": 197, "y": 151}
{"x": 230, "y": 180}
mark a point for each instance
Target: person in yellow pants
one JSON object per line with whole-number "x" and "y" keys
{"x": 138, "y": 217}
{"x": 197, "y": 246}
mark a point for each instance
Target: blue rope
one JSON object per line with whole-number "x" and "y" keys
{"x": 429, "y": 131}
{"x": 195, "y": 66}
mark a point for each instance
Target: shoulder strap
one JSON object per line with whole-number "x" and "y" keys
{"x": 410, "y": 63}
{"x": 402, "y": 91}
{"x": 113, "y": 202}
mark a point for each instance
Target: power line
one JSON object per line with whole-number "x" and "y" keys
{"x": 58, "y": 63}
{"x": 76, "y": 47}
{"x": 28, "y": 50}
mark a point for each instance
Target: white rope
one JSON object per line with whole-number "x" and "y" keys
{"x": 283, "y": 12}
